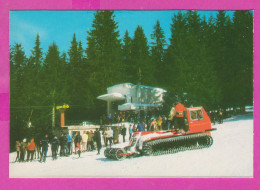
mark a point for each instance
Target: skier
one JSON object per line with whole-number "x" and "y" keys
{"x": 45, "y": 144}
{"x": 54, "y": 147}
{"x": 63, "y": 145}
{"x": 23, "y": 150}
{"x": 97, "y": 138}
{"x": 37, "y": 148}
{"x": 77, "y": 142}
{"x": 17, "y": 147}
{"x": 30, "y": 150}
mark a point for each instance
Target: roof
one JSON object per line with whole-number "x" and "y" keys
{"x": 80, "y": 127}
{"x": 111, "y": 96}
{"x": 127, "y": 85}
{"x": 130, "y": 85}
{"x": 134, "y": 106}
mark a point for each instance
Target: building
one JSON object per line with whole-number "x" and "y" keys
{"x": 72, "y": 129}
{"x": 127, "y": 97}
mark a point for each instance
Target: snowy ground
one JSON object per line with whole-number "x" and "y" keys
{"x": 231, "y": 155}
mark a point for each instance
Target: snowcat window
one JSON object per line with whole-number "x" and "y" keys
{"x": 196, "y": 115}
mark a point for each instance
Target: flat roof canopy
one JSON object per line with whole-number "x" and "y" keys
{"x": 111, "y": 97}
{"x": 133, "y": 106}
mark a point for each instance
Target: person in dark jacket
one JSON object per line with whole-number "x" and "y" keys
{"x": 123, "y": 132}
{"x": 97, "y": 138}
{"x": 140, "y": 127}
{"x": 37, "y": 152}
{"x": 77, "y": 142}
{"x": 63, "y": 145}
{"x": 54, "y": 147}
{"x": 44, "y": 144}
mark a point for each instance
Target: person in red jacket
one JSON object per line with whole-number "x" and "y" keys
{"x": 179, "y": 116}
{"x": 30, "y": 150}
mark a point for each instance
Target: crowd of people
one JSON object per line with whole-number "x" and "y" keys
{"x": 151, "y": 121}
{"x": 63, "y": 146}
{"x": 66, "y": 145}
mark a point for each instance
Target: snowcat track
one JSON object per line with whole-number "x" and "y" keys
{"x": 177, "y": 144}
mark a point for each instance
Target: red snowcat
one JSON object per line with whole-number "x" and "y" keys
{"x": 171, "y": 141}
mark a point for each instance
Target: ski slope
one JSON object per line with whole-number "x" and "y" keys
{"x": 231, "y": 155}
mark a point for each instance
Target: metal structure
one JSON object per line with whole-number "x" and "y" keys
{"x": 62, "y": 110}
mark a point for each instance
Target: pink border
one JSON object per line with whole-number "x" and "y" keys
{"x": 169, "y": 183}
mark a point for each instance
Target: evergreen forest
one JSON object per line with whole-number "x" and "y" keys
{"x": 210, "y": 60}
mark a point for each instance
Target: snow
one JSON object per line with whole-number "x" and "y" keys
{"x": 231, "y": 155}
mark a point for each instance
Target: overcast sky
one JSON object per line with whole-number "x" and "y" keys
{"x": 59, "y": 26}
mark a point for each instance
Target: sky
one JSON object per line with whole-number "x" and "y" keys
{"x": 59, "y": 26}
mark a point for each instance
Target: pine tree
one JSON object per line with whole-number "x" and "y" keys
{"x": 34, "y": 84}
{"x": 176, "y": 54}
{"x": 158, "y": 50}
{"x": 18, "y": 63}
{"x": 17, "y": 93}
{"x": 126, "y": 52}
{"x": 222, "y": 63}
{"x": 54, "y": 78}
{"x": 37, "y": 53}
{"x": 242, "y": 64}
{"x": 104, "y": 55}
{"x": 141, "y": 68}
{"x": 73, "y": 53}
{"x": 73, "y": 71}
{"x": 188, "y": 62}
